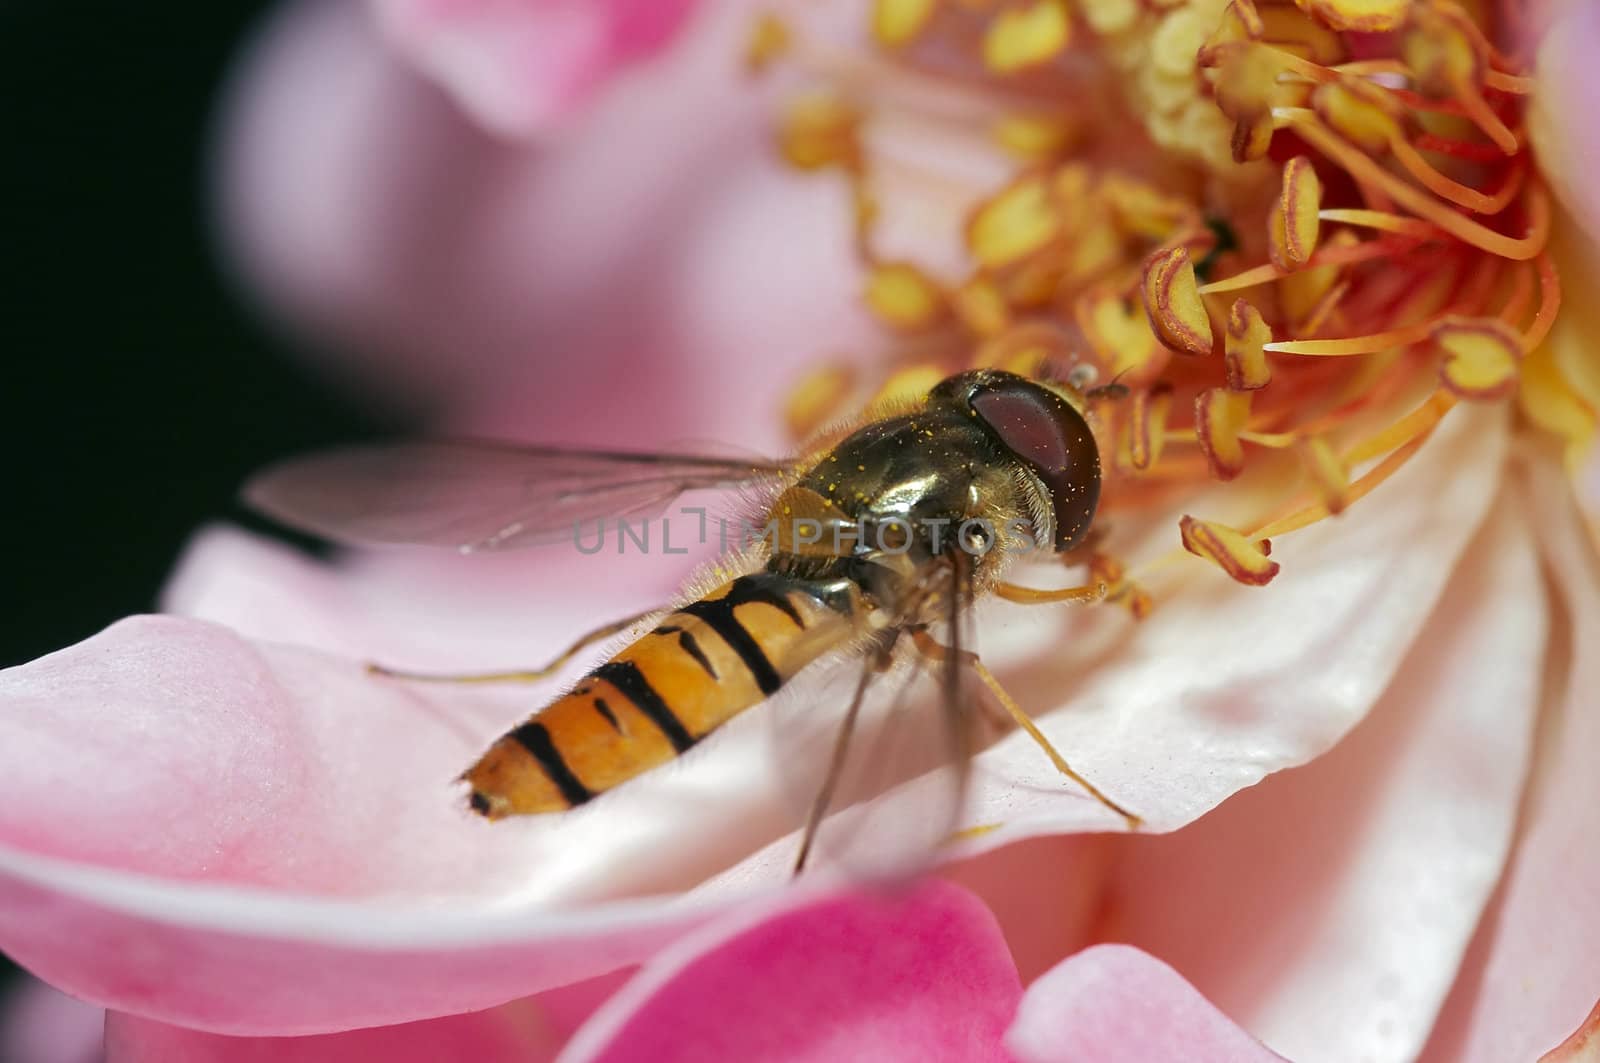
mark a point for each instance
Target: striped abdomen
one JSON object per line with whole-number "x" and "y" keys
{"x": 701, "y": 666}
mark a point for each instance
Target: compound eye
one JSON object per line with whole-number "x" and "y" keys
{"x": 1046, "y": 433}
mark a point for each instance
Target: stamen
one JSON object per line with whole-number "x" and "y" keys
{"x": 1429, "y": 245}
{"x": 1362, "y": 167}
{"x": 1325, "y": 256}
{"x": 1353, "y": 345}
{"x": 1459, "y": 194}
{"x": 1172, "y": 299}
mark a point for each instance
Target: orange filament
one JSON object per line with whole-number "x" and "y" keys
{"x": 1328, "y": 256}
{"x": 1362, "y": 166}
{"x": 1459, "y": 194}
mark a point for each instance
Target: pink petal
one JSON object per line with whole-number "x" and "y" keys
{"x": 922, "y": 976}
{"x": 417, "y": 609}
{"x": 525, "y": 1031}
{"x": 1173, "y": 715}
{"x": 1565, "y": 127}
{"x": 502, "y": 1035}
{"x": 1120, "y": 1005}
{"x": 256, "y": 839}
{"x": 1533, "y": 970}
{"x": 514, "y": 286}
{"x": 40, "y": 1024}
{"x": 522, "y": 67}
{"x": 1327, "y": 909}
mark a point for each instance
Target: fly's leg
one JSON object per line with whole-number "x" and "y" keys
{"x": 841, "y": 746}
{"x": 1088, "y": 593}
{"x": 1109, "y": 583}
{"x": 931, "y": 647}
{"x": 529, "y": 675}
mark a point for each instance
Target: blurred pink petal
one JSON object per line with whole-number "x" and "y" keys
{"x": 1565, "y": 125}
{"x": 522, "y": 66}
{"x": 41, "y": 1024}
{"x": 417, "y": 609}
{"x": 531, "y": 1030}
{"x": 1533, "y": 971}
{"x": 1115, "y": 1004}
{"x": 1344, "y": 943}
{"x": 920, "y": 976}
{"x": 500, "y": 1035}
{"x": 514, "y": 286}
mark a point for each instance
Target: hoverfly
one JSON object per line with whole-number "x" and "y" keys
{"x": 882, "y": 537}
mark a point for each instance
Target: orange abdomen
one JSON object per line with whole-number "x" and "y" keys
{"x": 701, "y": 666}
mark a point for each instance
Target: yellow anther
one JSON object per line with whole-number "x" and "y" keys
{"x": 1441, "y": 52}
{"x": 1291, "y": 31}
{"x": 1147, "y": 425}
{"x": 1242, "y": 558}
{"x": 1178, "y": 40}
{"x": 1482, "y": 357}
{"x": 819, "y": 129}
{"x": 1143, "y": 210}
{"x": 1361, "y": 112}
{"x": 1034, "y": 137}
{"x": 1119, "y": 332}
{"x": 1551, "y": 402}
{"x": 1020, "y": 220}
{"x": 1328, "y": 474}
{"x": 1240, "y": 22}
{"x": 1301, "y": 294}
{"x": 1248, "y": 333}
{"x": 908, "y": 385}
{"x": 1026, "y": 349}
{"x": 903, "y": 296}
{"x": 899, "y": 22}
{"x": 769, "y": 40}
{"x": 1365, "y": 16}
{"x": 1108, "y": 17}
{"x": 1172, "y": 299}
{"x": 818, "y": 399}
{"x": 1026, "y": 36}
{"x": 1219, "y": 416}
{"x": 1034, "y": 283}
{"x": 1293, "y": 222}
{"x": 980, "y": 307}
{"x": 1247, "y": 88}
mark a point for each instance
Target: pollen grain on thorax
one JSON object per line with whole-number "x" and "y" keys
{"x": 1295, "y": 234}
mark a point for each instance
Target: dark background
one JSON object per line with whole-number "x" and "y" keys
{"x": 138, "y": 388}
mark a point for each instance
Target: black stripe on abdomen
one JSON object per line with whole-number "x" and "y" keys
{"x": 717, "y": 614}
{"x": 690, "y": 645}
{"x": 626, "y": 677}
{"x": 535, "y": 738}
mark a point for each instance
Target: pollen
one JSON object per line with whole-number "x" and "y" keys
{"x": 1286, "y": 238}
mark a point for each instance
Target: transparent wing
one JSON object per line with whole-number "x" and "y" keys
{"x": 481, "y": 495}
{"x": 875, "y": 755}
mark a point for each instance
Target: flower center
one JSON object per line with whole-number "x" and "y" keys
{"x": 1287, "y": 237}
